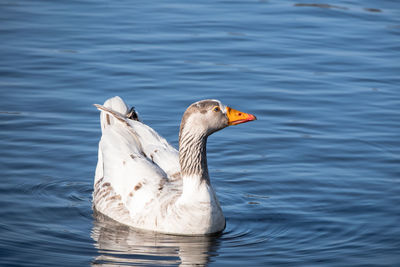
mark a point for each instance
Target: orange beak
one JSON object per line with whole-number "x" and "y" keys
{"x": 237, "y": 117}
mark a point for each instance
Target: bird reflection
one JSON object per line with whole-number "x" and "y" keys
{"x": 118, "y": 245}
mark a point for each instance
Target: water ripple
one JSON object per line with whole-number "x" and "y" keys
{"x": 314, "y": 181}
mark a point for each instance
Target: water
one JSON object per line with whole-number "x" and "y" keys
{"x": 315, "y": 181}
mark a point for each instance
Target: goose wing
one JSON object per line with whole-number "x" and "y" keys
{"x": 133, "y": 161}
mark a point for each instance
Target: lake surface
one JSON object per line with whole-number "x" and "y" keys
{"x": 315, "y": 181}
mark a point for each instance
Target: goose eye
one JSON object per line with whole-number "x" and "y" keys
{"x": 216, "y": 109}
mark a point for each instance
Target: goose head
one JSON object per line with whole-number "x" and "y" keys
{"x": 205, "y": 117}
{"x": 199, "y": 121}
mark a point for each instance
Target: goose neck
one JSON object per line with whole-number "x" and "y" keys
{"x": 193, "y": 156}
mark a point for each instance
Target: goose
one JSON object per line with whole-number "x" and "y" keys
{"x": 144, "y": 182}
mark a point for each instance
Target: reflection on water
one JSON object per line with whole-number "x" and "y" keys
{"x": 120, "y": 244}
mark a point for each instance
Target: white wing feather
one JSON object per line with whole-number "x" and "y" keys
{"x": 132, "y": 156}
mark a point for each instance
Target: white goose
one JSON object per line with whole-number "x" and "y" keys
{"x": 143, "y": 182}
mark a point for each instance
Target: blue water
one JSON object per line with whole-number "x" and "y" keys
{"x": 315, "y": 181}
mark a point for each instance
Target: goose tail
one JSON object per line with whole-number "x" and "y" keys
{"x": 115, "y": 109}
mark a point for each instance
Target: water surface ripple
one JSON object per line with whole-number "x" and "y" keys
{"x": 314, "y": 181}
